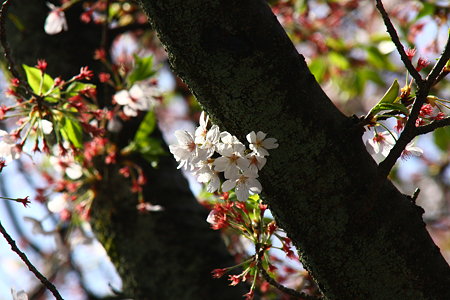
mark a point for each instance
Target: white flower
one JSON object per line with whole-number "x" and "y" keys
{"x": 380, "y": 144}
{"x": 56, "y": 20}
{"x": 230, "y": 141}
{"x": 244, "y": 183}
{"x": 187, "y": 152}
{"x": 257, "y": 162}
{"x": 74, "y": 171}
{"x": 8, "y": 148}
{"x": 212, "y": 216}
{"x": 230, "y": 162}
{"x": 139, "y": 97}
{"x": 68, "y": 165}
{"x": 46, "y": 126}
{"x": 202, "y": 130}
{"x": 211, "y": 140}
{"x": 58, "y": 203}
{"x": 20, "y": 295}
{"x": 259, "y": 143}
{"x": 411, "y": 150}
{"x": 206, "y": 174}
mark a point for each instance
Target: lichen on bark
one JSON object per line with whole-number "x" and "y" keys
{"x": 357, "y": 242}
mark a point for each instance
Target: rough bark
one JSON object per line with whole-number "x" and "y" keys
{"x": 161, "y": 255}
{"x": 358, "y": 243}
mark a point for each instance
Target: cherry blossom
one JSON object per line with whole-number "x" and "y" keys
{"x": 9, "y": 150}
{"x": 411, "y": 150}
{"x": 202, "y": 130}
{"x": 230, "y": 162}
{"x": 55, "y": 21}
{"x": 139, "y": 97}
{"x": 259, "y": 144}
{"x": 46, "y": 126}
{"x": 187, "y": 152}
{"x": 381, "y": 143}
{"x": 211, "y": 140}
{"x": 244, "y": 183}
{"x": 257, "y": 162}
{"x": 198, "y": 153}
{"x": 230, "y": 141}
{"x": 206, "y": 174}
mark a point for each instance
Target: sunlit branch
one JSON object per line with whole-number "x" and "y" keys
{"x": 396, "y": 40}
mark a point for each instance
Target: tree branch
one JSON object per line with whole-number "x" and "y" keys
{"x": 411, "y": 131}
{"x": 406, "y": 136}
{"x": 283, "y": 288}
{"x": 30, "y": 266}
{"x": 396, "y": 40}
{"x": 432, "y": 126}
{"x": 435, "y": 72}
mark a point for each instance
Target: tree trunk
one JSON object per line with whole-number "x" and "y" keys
{"x": 357, "y": 242}
{"x": 159, "y": 255}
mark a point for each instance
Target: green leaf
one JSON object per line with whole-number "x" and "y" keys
{"x": 150, "y": 148}
{"x": 75, "y": 87}
{"x": 389, "y": 106}
{"x": 391, "y": 94}
{"x": 145, "y": 128}
{"x": 34, "y": 77}
{"x": 441, "y": 138}
{"x": 71, "y": 131}
{"x": 143, "y": 69}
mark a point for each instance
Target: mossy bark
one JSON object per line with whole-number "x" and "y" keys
{"x": 167, "y": 254}
{"x": 159, "y": 255}
{"x": 357, "y": 242}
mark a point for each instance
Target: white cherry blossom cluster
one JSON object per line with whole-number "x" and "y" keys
{"x": 208, "y": 152}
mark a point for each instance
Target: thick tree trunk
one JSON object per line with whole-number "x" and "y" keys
{"x": 160, "y": 255}
{"x": 357, "y": 242}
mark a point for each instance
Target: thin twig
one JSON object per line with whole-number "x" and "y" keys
{"x": 439, "y": 66}
{"x": 441, "y": 76}
{"x": 432, "y": 126}
{"x": 30, "y": 266}
{"x": 396, "y": 40}
{"x": 283, "y": 288}
{"x": 405, "y": 137}
{"x": 424, "y": 87}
